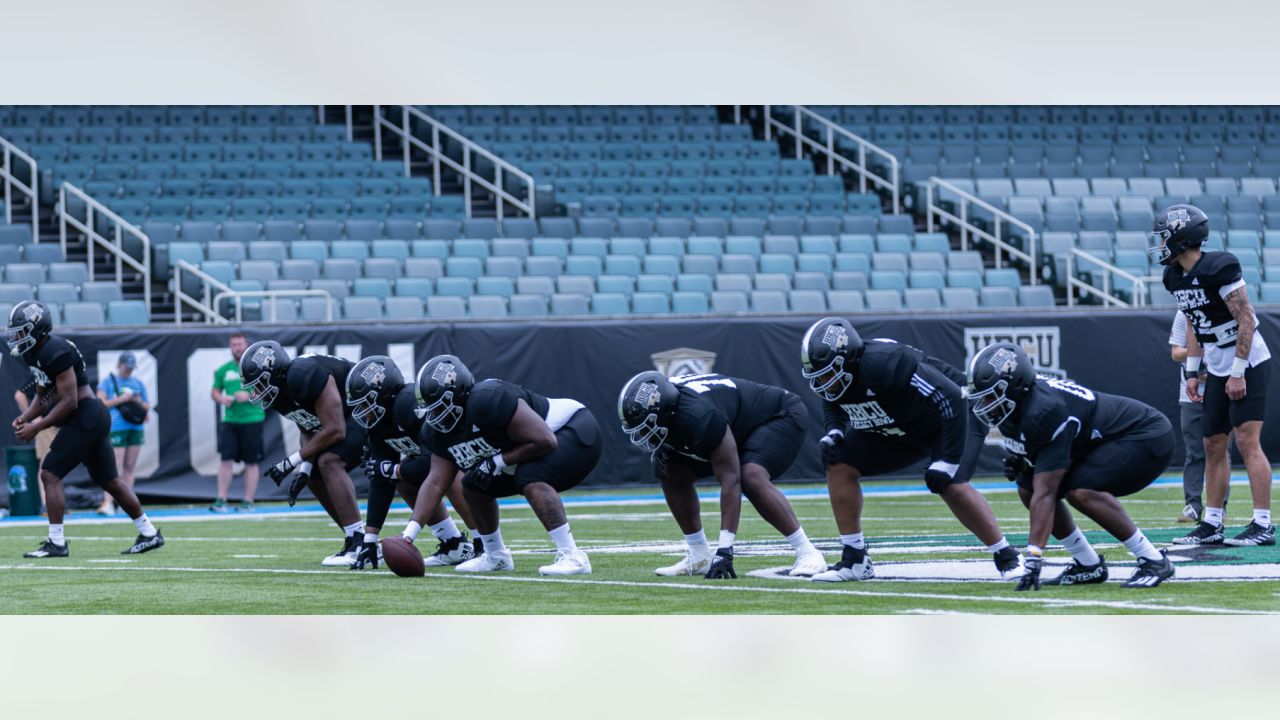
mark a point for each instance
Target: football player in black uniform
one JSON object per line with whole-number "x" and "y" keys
{"x": 744, "y": 433}
{"x": 387, "y": 408}
{"x": 1223, "y": 335}
{"x": 509, "y": 441}
{"x": 308, "y": 391}
{"x": 887, "y": 406}
{"x": 1069, "y": 442}
{"x": 65, "y": 400}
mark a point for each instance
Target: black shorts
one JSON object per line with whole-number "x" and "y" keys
{"x": 414, "y": 470}
{"x": 351, "y": 449}
{"x": 773, "y": 445}
{"x": 1122, "y": 466}
{"x": 1222, "y": 413}
{"x": 577, "y": 451}
{"x": 241, "y": 442}
{"x": 874, "y": 454}
{"x": 85, "y": 439}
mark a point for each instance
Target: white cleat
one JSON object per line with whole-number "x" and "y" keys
{"x": 568, "y": 562}
{"x": 488, "y": 562}
{"x": 689, "y": 565}
{"x": 453, "y": 551}
{"x": 855, "y": 564}
{"x": 346, "y": 557}
{"x": 808, "y": 563}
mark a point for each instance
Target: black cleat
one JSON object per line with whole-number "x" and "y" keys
{"x": 1253, "y": 535}
{"x": 49, "y": 549}
{"x": 1008, "y": 561}
{"x": 453, "y": 551}
{"x": 1204, "y": 534}
{"x": 1079, "y": 574}
{"x": 1150, "y": 573}
{"x": 145, "y": 544}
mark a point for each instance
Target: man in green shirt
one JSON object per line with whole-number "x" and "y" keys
{"x": 240, "y": 438}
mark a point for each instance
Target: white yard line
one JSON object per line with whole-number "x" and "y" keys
{"x": 1044, "y": 602}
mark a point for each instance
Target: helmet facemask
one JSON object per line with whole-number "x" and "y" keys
{"x": 648, "y": 434}
{"x": 993, "y": 405}
{"x": 261, "y": 392}
{"x": 832, "y": 381}
{"x": 21, "y": 338}
{"x": 1160, "y": 250}
{"x": 366, "y": 410}
{"x": 443, "y": 414}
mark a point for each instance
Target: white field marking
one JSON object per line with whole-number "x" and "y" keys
{"x": 968, "y": 571}
{"x": 247, "y": 557}
{"x": 111, "y": 560}
{"x": 1045, "y": 602}
{"x": 928, "y": 611}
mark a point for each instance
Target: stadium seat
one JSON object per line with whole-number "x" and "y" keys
{"x": 126, "y": 312}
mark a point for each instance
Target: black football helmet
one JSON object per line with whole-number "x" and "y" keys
{"x": 829, "y": 357}
{"x": 646, "y": 406}
{"x": 29, "y": 323}
{"x": 1000, "y": 376}
{"x": 1178, "y": 229}
{"x": 371, "y": 388}
{"x": 444, "y": 384}
{"x": 263, "y": 368}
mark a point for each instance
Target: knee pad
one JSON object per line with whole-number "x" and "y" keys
{"x": 938, "y": 481}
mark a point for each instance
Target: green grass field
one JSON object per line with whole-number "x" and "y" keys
{"x": 268, "y": 563}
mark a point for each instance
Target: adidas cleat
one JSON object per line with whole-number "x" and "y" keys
{"x": 145, "y": 544}
{"x": 1079, "y": 574}
{"x": 1204, "y": 534}
{"x": 1150, "y": 573}
{"x": 1253, "y": 535}
{"x": 49, "y": 549}
{"x": 346, "y": 557}
{"x": 568, "y": 562}
{"x": 451, "y": 552}
{"x": 808, "y": 563}
{"x": 1008, "y": 562}
{"x": 855, "y": 564}
{"x": 1190, "y": 514}
{"x": 488, "y": 562}
{"x": 690, "y": 564}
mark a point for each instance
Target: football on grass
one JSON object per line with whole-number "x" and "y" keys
{"x": 403, "y": 558}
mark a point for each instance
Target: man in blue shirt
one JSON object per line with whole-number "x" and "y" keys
{"x": 126, "y": 398}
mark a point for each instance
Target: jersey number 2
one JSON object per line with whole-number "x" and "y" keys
{"x": 701, "y": 383}
{"x": 1067, "y": 386}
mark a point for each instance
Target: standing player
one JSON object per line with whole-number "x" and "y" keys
{"x": 1066, "y": 441}
{"x": 64, "y": 400}
{"x": 387, "y": 408}
{"x": 510, "y": 441}
{"x": 308, "y": 391}
{"x": 887, "y": 406}
{"x": 1222, "y": 333}
{"x": 744, "y": 433}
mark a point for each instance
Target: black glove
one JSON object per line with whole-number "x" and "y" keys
{"x": 375, "y": 469}
{"x": 299, "y": 482}
{"x": 1031, "y": 574}
{"x": 722, "y": 565}
{"x": 1015, "y": 466}
{"x": 366, "y": 556}
{"x": 280, "y": 471}
{"x": 828, "y": 444}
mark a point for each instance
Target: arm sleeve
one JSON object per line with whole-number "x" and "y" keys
{"x": 930, "y": 385}
{"x": 381, "y": 494}
{"x": 834, "y": 418}
{"x": 1178, "y": 332}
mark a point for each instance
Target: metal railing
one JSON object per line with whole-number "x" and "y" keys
{"x": 213, "y": 292}
{"x": 1105, "y": 294}
{"x": 438, "y": 133}
{"x": 119, "y": 229}
{"x": 996, "y": 236}
{"x": 8, "y": 173}
{"x": 826, "y": 144}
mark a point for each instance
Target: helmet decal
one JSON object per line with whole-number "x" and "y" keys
{"x": 1178, "y": 219}
{"x": 264, "y": 358}
{"x": 375, "y": 373}
{"x": 33, "y": 312}
{"x": 835, "y": 337}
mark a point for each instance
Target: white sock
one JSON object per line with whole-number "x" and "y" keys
{"x": 493, "y": 542}
{"x": 353, "y": 528}
{"x": 1080, "y": 549}
{"x": 145, "y": 528}
{"x": 697, "y": 543}
{"x": 799, "y": 541}
{"x": 854, "y": 540}
{"x": 56, "y": 534}
{"x": 1262, "y": 517}
{"x": 411, "y": 531}
{"x": 445, "y": 529}
{"x": 999, "y": 545}
{"x": 1141, "y": 547}
{"x": 726, "y": 540}
{"x": 562, "y": 537}
{"x": 1213, "y": 516}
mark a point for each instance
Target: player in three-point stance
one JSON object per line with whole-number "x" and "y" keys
{"x": 887, "y": 406}
{"x": 1223, "y": 335}
{"x": 64, "y": 400}
{"x": 387, "y": 408}
{"x": 744, "y": 433}
{"x": 1066, "y": 441}
{"x": 509, "y": 441}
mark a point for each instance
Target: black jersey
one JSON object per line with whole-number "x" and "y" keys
{"x": 898, "y": 391}
{"x": 1061, "y": 422}
{"x": 305, "y": 381}
{"x": 709, "y": 404}
{"x": 482, "y": 431}
{"x": 53, "y": 358}
{"x": 1199, "y": 295}
{"x": 396, "y": 435}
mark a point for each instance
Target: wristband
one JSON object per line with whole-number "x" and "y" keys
{"x": 371, "y": 537}
{"x": 295, "y": 459}
{"x": 1035, "y": 550}
{"x": 1193, "y": 363}
{"x": 411, "y": 531}
{"x": 1238, "y": 366}
{"x": 498, "y": 463}
{"x": 304, "y": 469}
